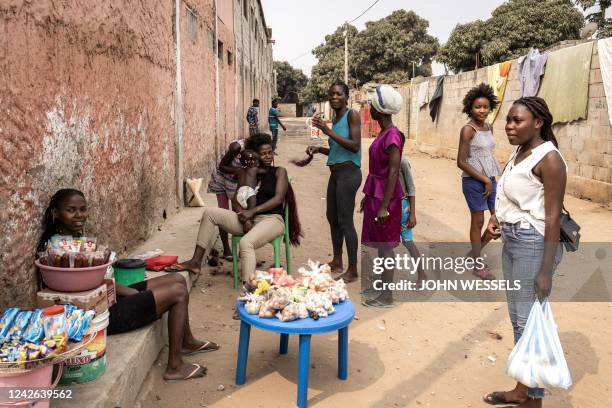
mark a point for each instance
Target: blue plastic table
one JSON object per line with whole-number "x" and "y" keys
{"x": 339, "y": 320}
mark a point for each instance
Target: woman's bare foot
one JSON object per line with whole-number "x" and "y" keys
{"x": 350, "y": 275}
{"x": 197, "y": 346}
{"x": 335, "y": 266}
{"x": 185, "y": 372}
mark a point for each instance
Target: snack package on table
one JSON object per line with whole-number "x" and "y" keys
{"x": 293, "y": 311}
{"x": 7, "y": 321}
{"x": 36, "y": 330}
{"x": 19, "y": 324}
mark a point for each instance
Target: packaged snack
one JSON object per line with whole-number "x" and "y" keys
{"x": 35, "y": 331}
{"x": 43, "y": 258}
{"x": 55, "y": 322}
{"x": 7, "y": 321}
{"x": 19, "y": 324}
{"x": 61, "y": 242}
{"x": 88, "y": 244}
{"x": 81, "y": 260}
{"x": 65, "y": 260}
{"x": 79, "y": 323}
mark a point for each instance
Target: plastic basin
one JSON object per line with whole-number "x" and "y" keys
{"x": 72, "y": 279}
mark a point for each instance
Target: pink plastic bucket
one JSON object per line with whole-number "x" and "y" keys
{"x": 72, "y": 279}
{"x": 36, "y": 378}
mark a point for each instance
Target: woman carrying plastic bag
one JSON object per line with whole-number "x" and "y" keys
{"x": 528, "y": 211}
{"x": 537, "y": 359}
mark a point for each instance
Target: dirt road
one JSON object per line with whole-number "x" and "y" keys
{"x": 414, "y": 355}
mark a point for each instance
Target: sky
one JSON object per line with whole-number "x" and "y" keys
{"x": 299, "y": 26}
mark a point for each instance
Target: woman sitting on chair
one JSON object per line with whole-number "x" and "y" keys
{"x": 266, "y": 216}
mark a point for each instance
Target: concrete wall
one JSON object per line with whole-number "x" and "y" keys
{"x": 88, "y": 97}
{"x": 287, "y": 110}
{"x": 585, "y": 144}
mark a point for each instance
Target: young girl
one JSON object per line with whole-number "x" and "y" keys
{"x": 248, "y": 185}
{"x": 529, "y": 206}
{"x": 476, "y": 157}
{"x": 344, "y": 162}
{"x": 140, "y": 304}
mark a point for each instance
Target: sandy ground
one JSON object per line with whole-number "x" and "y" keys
{"x": 414, "y": 355}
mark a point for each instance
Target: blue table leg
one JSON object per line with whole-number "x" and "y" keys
{"x": 303, "y": 367}
{"x": 343, "y": 353}
{"x": 243, "y": 352}
{"x": 284, "y": 343}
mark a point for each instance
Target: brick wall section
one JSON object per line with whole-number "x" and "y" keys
{"x": 87, "y": 95}
{"x": 585, "y": 144}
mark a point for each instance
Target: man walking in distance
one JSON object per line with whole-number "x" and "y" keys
{"x": 273, "y": 122}
{"x": 253, "y": 118}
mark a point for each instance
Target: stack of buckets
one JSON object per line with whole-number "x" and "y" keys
{"x": 90, "y": 363}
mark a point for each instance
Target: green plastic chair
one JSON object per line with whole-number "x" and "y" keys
{"x": 276, "y": 244}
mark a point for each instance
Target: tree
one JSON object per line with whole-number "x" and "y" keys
{"x": 330, "y": 65}
{"x": 383, "y": 52}
{"x": 386, "y": 49}
{"x": 604, "y": 25}
{"x": 513, "y": 28}
{"x": 289, "y": 81}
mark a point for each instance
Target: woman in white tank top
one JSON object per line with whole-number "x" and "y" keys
{"x": 528, "y": 212}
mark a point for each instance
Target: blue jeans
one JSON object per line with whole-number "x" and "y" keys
{"x": 274, "y": 137}
{"x": 521, "y": 260}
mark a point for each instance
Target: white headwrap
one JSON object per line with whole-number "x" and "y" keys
{"x": 386, "y": 99}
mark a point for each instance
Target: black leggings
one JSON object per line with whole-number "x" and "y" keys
{"x": 342, "y": 188}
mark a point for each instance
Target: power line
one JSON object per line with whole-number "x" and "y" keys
{"x": 356, "y": 18}
{"x": 366, "y": 10}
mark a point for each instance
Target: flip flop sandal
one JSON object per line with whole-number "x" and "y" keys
{"x": 198, "y": 369}
{"x": 204, "y": 348}
{"x": 177, "y": 268}
{"x": 229, "y": 258}
{"x": 376, "y": 304}
{"x": 498, "y": 398}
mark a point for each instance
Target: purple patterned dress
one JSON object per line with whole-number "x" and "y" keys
{"x": 387, "y": 234}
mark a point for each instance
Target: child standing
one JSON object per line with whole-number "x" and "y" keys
{"x": 409, "y": 214}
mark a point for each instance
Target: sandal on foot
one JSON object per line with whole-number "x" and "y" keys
{"x": 197, "y": 372}
{"x": 207, "y": 347}
{"x": 377, "y": 304}
{"x": 498, "y": 398}
{"x": 178, "y": 268}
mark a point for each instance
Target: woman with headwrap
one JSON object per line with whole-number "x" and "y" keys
{"x": 382, "y": 203}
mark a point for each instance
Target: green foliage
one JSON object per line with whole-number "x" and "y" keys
{"x": 383, "y": 52}
{"x": 513, "y": 28}
{"x": 289, "y": 81}
{"x": 604, "y": 25}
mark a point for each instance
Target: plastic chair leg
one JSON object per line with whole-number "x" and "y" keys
{"x": 303, "y": 367}
{"x": 343, "y": 353}
{"x": 284, "y": 343}
{"x": 277, "y": 256}
{"x": 288, "y": 256}
{"x": 235, "y": 241}
{"x": 243, "y": 353}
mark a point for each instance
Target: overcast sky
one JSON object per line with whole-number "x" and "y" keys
{"x": 298, "y": 26}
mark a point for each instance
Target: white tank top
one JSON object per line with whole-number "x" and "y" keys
{"x": 520, "y": 194}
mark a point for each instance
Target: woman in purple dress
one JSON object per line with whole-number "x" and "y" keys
{"x": 382, "y": 203}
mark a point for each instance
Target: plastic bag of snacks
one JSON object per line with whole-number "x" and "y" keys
{"x": 35, "y": 331}
{"x": 64, "y": 251}
{"x": 7, "y": 321}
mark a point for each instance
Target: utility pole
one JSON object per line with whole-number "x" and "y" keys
{"x": 413, "y": 69}
{"x": 346, "y": 53}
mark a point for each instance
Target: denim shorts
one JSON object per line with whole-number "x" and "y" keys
{"x": 473, "y": 190}
{"x": 406, "y": 232}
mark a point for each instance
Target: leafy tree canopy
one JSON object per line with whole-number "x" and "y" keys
{"x": 513, "y": 28}
{"x": 383, "y": 52}
{"x": 598, "y": 16}
{"x": 289, "y": 81}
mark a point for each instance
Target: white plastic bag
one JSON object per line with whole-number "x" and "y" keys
{"x": 537, "y": 359}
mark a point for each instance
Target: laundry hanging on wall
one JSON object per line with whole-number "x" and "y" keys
{"x": 436, "y": 98}
{"x": 423, "y": 93}
{"x": 497, "y": 77}
{"x": 565, "y": 87}
{"x": 605, "y": 65}
{"x": 530, "y": 70}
